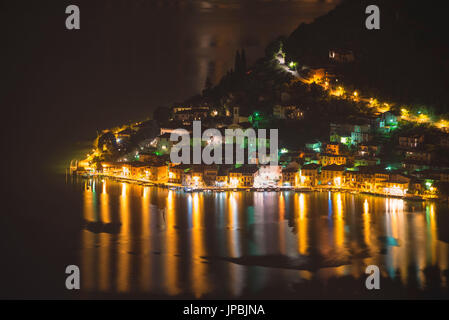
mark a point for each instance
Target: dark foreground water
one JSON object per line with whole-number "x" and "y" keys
{"x": 148, "y": 241}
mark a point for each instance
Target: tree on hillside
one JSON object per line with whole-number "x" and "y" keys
{"x": 243, "y": 61}
{"x": 207, "y": 86}
{"x": 240, "y": 62}
{"x": 237, "y": 63}
{"x": 161, "y": 114}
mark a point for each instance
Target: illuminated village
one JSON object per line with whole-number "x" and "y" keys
{"x": 350, "y": 159}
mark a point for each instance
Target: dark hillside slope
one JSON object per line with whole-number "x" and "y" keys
{"x": 407, "y": 60}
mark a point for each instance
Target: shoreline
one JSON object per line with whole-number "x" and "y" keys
{"x": 179, "y": 187}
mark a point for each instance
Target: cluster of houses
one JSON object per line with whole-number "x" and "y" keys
{"x": 349, "y": 160}
{"x": 371, "y": 179}
{"x": 352, "y": 159}
{"x": 328, "y": 170}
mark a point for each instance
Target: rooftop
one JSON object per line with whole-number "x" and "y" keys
{"x": 246, "y": 169}
{"x": 333, "y": 167}
{"x": 310, "y": 166}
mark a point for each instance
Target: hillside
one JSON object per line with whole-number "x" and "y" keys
{"x": 405, "y": 61}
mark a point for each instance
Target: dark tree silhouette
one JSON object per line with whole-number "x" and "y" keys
{"x": 237, "y": 64}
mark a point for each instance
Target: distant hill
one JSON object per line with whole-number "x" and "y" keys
{"x": 407, "y": 60}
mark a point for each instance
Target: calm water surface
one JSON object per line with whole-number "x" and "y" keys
{"x": 230, "y": 244}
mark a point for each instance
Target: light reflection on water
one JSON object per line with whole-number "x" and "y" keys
{"x": 168, "y": 240}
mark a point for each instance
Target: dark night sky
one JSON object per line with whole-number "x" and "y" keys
{"x": 128, "y": 58}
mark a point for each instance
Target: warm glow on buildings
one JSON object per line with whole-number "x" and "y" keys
{"x": 395, "y": 190}
{"x": 125, "y": 171}
{"x": 442, "y": 124}
{"x": 234, "y": 182}
{"x": 339, "y": 92}
{"x": 337, "y": 181}
{"x": 423, "y": 118}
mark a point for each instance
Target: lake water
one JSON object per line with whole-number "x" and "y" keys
{"x": 151, "y": 241}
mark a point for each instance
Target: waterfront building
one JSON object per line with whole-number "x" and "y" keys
{"x": 193, "y": 178}
{"x": 395, "y": 187}
{"x": 308, "y": 174}
{"x": 112, "y": 168}
{"x": 136, "y": 169}
{"x": 175, "y": 173}
{"x": 290, "y": 177}
{"x": 351, "y": 177}
{"x": 210, "y": 173}
{"x": 366, "y": 178}
{"x": 221, "y": 180}
{"x": 157, "y": 173}
{"x": 332, "y": 175}
{"x": 268, "y": 176}
{"x": 243, "y": 176}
